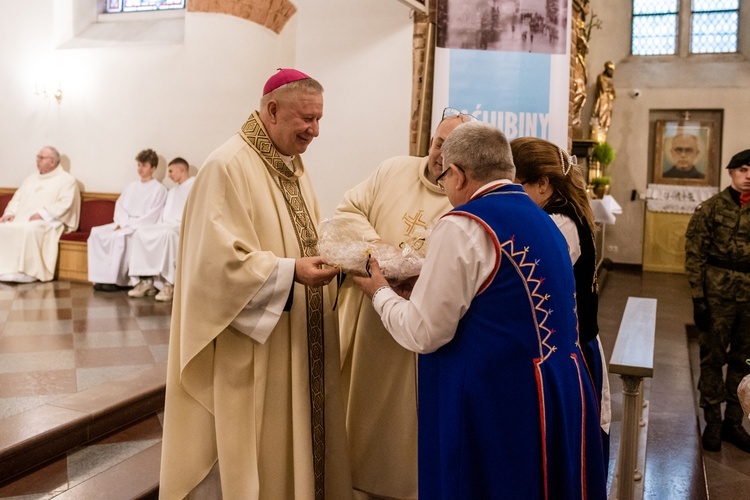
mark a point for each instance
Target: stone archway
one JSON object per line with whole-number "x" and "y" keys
{"x": 273, "y": 14}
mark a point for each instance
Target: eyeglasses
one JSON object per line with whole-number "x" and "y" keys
{"x": 452, "y": 112}
{"x": 40, "y": 157}
{"x": 683, "y": 151}
{"x": 444, "y": 173}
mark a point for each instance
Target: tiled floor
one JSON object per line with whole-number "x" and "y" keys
{"x": 67, "y": 474}
{"x": 58, "y": 338}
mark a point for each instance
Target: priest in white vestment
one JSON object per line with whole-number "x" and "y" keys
{"x": 46, "y": 205}
{"x": 140, "y": 203}
{"x": 153, "y": 256}
{"x": 396, "y": 205}
{"x": 253, "y": 403}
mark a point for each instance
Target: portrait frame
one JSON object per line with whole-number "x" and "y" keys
{"x": 696, "y": 134}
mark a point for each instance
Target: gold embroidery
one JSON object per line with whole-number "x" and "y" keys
{"x": 412, "y": 223}
{"x": 307, "y": 238}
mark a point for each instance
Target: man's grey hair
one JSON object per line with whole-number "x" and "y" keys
{"x": 306, "y": 85}
{"x": 481, "y": 150}
{"x": 55, "y": 154}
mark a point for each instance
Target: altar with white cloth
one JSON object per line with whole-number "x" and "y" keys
{"x": 604, "y": 210}
{"x": 668, "y": 212}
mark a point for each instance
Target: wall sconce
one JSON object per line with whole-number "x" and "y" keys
{"x": 46, "y": 89}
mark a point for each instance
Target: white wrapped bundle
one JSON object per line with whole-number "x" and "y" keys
{"x": 743, "y": 394}
{"x": 342, "y": 246}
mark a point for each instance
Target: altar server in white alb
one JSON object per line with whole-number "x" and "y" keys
{"x": 46, "y": 205}
{"x": 154, "y": 248}
{"x": 140, "y": 204}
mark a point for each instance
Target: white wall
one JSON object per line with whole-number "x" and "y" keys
{"x": 185, "y": 97}
{"x": 696, "y": 82}
{"x": 360, "y": 50}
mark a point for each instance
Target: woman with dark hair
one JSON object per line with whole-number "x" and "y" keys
{"x": 553, "y": 180}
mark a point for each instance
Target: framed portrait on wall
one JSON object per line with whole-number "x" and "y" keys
{"x": 686, "y": 153}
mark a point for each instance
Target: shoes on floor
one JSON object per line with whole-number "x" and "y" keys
{"x": 735, "y": 434}
{"x": 107, "y": 287}
{"x": 17, "y": 278}
{"x": 166, "y": 293}
{"x": 711, "y": 438}
{"x": 144, "y": 288}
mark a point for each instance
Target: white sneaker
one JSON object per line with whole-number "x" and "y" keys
{"x": 144, "y": 288}
{"x": 166, "y": 293}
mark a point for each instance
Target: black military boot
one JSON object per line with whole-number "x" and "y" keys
{"x": 712, "y": 435}
{"x": 711, "y": 438}
{"x": 732, "y": 430}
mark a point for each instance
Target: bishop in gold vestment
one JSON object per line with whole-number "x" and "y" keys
{"x": 253, "y": 371}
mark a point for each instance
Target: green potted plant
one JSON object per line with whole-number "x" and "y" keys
{"x": 600, "y": 185}
{"x": 603, "y": 154}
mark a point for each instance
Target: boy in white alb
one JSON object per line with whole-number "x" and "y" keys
{"x": 140, "y": 203}
{"x": 153, "y": 254}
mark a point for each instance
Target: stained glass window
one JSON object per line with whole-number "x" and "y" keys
{"x": 713, "y": 26}
{"x": 654, "y": 27}
{"x": 141, "y": 5}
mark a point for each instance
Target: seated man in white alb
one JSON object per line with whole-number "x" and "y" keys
{"x": 47, "y": 204}
{"x": 140, "y": 203}
{"x": 153, "y": 254}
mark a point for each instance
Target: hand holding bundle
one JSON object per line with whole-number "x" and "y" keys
{"x": 342, "y": 246}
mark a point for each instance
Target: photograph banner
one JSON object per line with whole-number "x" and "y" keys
{"x": 507, "y": 63}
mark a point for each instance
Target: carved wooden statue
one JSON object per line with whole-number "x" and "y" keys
{"x": 605, "y": 96}
{"x": 581, "y": 48}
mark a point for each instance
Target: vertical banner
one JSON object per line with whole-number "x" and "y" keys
{"x": 507, "y": 62}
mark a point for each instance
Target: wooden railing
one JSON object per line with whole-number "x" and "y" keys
{"x": 633, "y": 359}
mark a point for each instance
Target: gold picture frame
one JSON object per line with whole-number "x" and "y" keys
{"x": 686, "y": 153}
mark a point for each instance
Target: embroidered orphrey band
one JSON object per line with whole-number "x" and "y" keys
{"x": 307, "y": 238}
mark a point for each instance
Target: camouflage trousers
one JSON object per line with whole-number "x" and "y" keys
{"x": 727, "y": 343}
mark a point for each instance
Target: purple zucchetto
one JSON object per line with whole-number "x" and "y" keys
{"x": 284, "y": 76}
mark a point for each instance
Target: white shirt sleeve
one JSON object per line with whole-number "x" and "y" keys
{"x": 460, "y": 258}
{"x": 47, "y": 217}
{"x": 568, "y": 229}
{"x": 259, "y": 317}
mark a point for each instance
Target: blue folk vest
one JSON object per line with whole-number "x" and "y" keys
{"x": 507, "y": 408}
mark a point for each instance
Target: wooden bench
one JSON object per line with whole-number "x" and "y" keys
{"x": 633, "y": 359}
{"x": 5, "y": 195}
{"x": 97, "y": 209}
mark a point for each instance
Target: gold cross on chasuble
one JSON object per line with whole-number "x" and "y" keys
{"x": 412, "y": 223}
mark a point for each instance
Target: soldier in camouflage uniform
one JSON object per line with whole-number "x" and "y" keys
{"x": 717, "y": 262}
